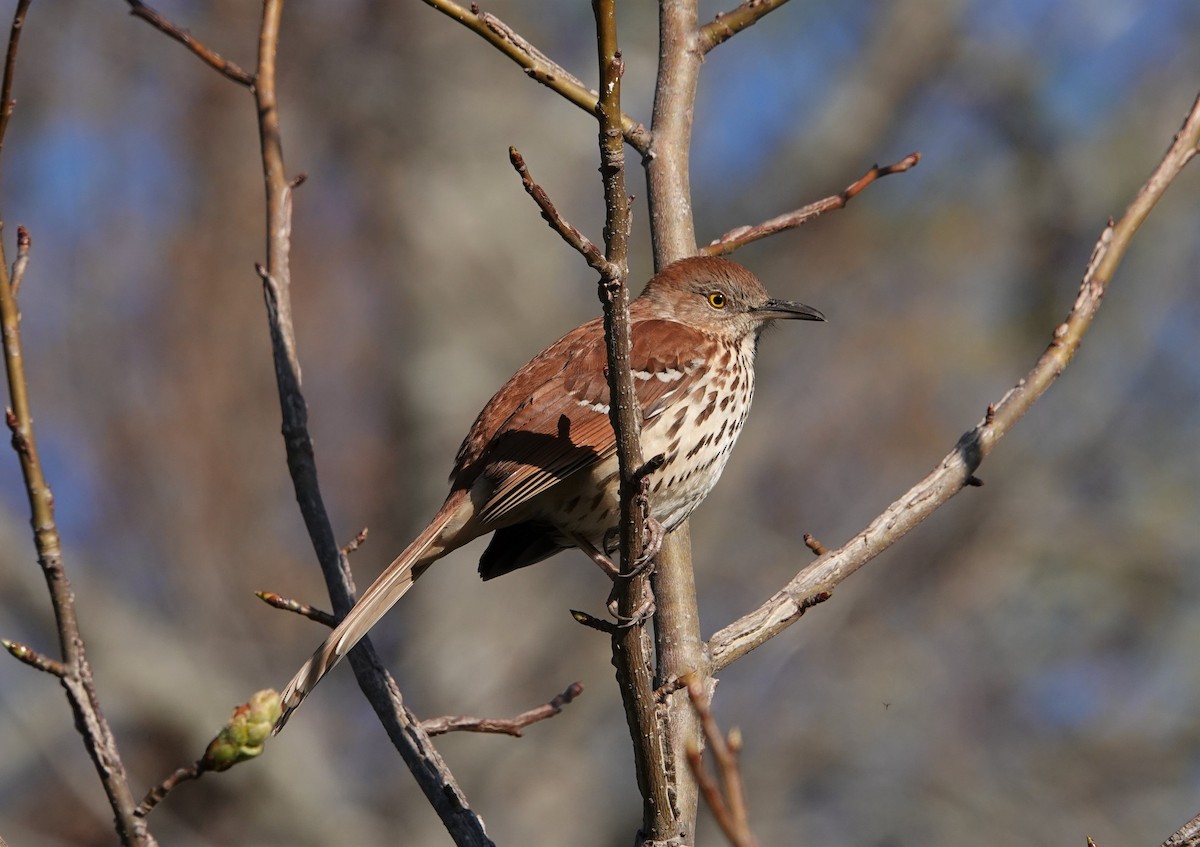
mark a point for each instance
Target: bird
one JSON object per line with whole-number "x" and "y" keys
{"x": 538, "y": 468}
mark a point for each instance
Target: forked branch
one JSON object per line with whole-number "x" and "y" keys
{"x": 538, "y": 65}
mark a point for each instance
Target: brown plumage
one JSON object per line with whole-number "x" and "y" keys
{"x": 539, "y": 467}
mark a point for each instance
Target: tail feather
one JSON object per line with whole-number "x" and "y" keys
{"x": 375, "y": 602}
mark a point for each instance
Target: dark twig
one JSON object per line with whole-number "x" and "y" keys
{"x": 210, "y": 57}
{"x": 728, "y": 24}
{"x": 538, "y": 66}
{"x": 414, "y": 746}
{"x": 956, "y": 470}
{"x": 593, "y": 622}
{"x": 743, "y": 235}
{"x": 159, "y": 792}
{"x": 7, "y": 103}
{"x": 729, "y": 805}
{"x": 295, "y": 606}
{"x": 503, "y": 726}
{"x": 550, "y": 215}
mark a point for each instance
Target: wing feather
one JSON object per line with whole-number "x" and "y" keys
{"x": 559, "y": 424}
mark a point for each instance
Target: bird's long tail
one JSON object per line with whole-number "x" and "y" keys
{"x": 389, "y": 587}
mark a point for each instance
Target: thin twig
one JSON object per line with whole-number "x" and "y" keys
{"x": 159, "y": 792}
{"x": 353, "y": 544}
{"x": 728, "y": 24}
{"x": 33, "y": 658}
{"x": 503, "y": 726}
{"x": 576, "y": 239}
{"x": 7, "y": 103}
{"x": 956, "y": 470}
{"x": 538, "y": 66}
{"x": 296, "y": 607}
{"x": 210, "y": 57}
{"x": 414, "y": 745}
{"x": 743, "y": 235}
{"x": 729, "y": 805}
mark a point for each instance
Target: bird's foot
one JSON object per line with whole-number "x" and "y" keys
{"x": 643, "y": 613}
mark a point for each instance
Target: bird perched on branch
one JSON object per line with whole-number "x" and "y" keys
{"x": 539, "y": 467}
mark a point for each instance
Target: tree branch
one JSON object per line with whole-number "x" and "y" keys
{"x": 74, "y": 671}
{"x": 728, "y": 24}
{"x": 538, "y": 65}
{"x": 743, "y": 235}
{"x": 631, "y": 644}
{"x": 729, "y": 805}
{"x": 956, "y": 470}
{"x": 210, "y": 57}
{"x": 679, "y": 646}
{"x": 504, "y": 726}
{"x": 576, "y": 239}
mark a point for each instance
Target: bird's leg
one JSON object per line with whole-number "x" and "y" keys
{"x": 599, "y": 557}
{"x": 646, "y": 609}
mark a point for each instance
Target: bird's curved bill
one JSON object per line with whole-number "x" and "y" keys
{"x": 788, "y": 310}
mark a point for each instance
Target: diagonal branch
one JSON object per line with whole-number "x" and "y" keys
{"x": 210, "y": 57}
{"x": 377, "y": 685}
{"x": 956, "y": 470}
{"x": 743, "y": 235}
{"x": 576, "y": 239}
{"x": 538, "y": 65}
{"x": 728, "y": 24}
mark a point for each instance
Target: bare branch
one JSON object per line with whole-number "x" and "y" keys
{"x": 353, "y": 544}
{"x": 956, "y": 470}
{"x": 550, "y": 215}
{"x": 679, "y": 645}
{"x": 729, "y": 805}
{"x": 7, "y": 103}
{"x": 159, "y": 792}
{"x": 1187, "y": 835}
{"x": 743, "y": 235}
{"x": 728, "y": 24}
{"x": 504, "y": 726}
{"x": 295, "y": 606}
{"x": 210, "y": 57}
{"x": 33, "y": 658}
{"x": 74, "y": 670}
{"x": 631, "y": 644}
{"x": 538, "y": 65}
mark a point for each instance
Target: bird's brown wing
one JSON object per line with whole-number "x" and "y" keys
{"x": 560, "y": 422}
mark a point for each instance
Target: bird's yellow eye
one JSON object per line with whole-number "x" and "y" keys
{"x": 716, "y": 300}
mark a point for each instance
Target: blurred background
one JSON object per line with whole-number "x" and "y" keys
{"x": 1023, "y": 666}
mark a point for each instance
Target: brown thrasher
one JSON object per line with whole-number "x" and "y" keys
{"x": 539, "y": 466}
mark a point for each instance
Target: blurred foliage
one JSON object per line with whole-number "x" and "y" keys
{"x": 1024, "y": 665}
